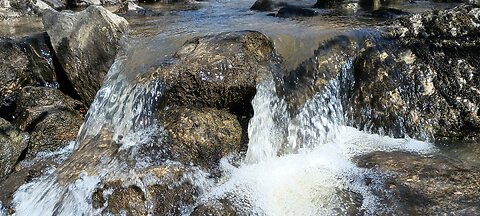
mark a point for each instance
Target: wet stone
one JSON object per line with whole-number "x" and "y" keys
{"x": 201, "y": 136}
{"x": 49, "y": 116}
{"x": 25, "y": 62}
{"x": 219, "y": 71}
{"x": 424, "y": 185}
{"x": 12, "y": 144}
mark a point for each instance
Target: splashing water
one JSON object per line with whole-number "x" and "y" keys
{"x": 303, "y": 165}
{"x": 119, "y": 121}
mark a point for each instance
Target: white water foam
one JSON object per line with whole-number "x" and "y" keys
{"x": 310, "y": 173}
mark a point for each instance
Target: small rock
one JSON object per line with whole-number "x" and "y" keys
{"x": 263, "y": 5}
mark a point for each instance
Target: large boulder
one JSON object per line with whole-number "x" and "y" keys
{"x": 219, "y": 71}
{"x": 201, "y": 136}
{"x": 86, "y": 44}
{"x": 26, "y": 61}
{"x": 12, "y": 144}
{"x": 423, "y": 185}
{"x": 424, "y": 84}
{"x": 51, "y": 118}
{"x": 417, "y": 78}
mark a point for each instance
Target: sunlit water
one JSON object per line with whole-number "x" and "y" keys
{"x": 294, "y": 165}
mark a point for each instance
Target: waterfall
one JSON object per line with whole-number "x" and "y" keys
{"x": 120, "y": 119}
{"x": 301, "y": 165}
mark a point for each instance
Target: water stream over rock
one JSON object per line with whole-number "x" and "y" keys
{"x": 302, "y": 153}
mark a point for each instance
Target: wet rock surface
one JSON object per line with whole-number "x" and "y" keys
{"x": 418, "y": 78}
{"x": 49, "y": 116}
{"x": 169, "y": 193}
{"x": 201, "y": 136}
{"x": 12, "y": 144}
{"x": 426, "y": 85}
{"x": 219, "y": 71}
{"x": 332, "y": 60}
{"x": 26, "y": 61}
{"x": 424, "y": 185}
{"x": 295, "y": 11}
{"x": 86, "y": 44}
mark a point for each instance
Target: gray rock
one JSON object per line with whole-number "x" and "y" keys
{"x": 129, "y": 8}
{"x": 16, "y": 8}
{"x": 86, "y": 44}
{"x": 12, "y": 144}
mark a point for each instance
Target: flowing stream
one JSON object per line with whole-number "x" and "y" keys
{"x": 298, "y": 164}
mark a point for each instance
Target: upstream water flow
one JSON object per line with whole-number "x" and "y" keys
{"x": 294, "y": 165}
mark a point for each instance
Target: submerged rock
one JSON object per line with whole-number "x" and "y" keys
{"x": 86, "y": 44}
{"x": 219, "y": 71}
{"x": 263, "y": 5}
{"x": 295, "y": 11}
{"x": 26, "y": 61}
{"x": 424, "y": 185}
{"x": 49, "y": 116}
{"x": 217, "y": 207}
{"x": 12, "y": 144}
{"x": 201, "y": 136}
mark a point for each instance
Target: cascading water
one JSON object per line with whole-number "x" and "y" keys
{"x": 302, "y": 165}
{"x": 297, "y": 164}
{"x": 120, "y": 118}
